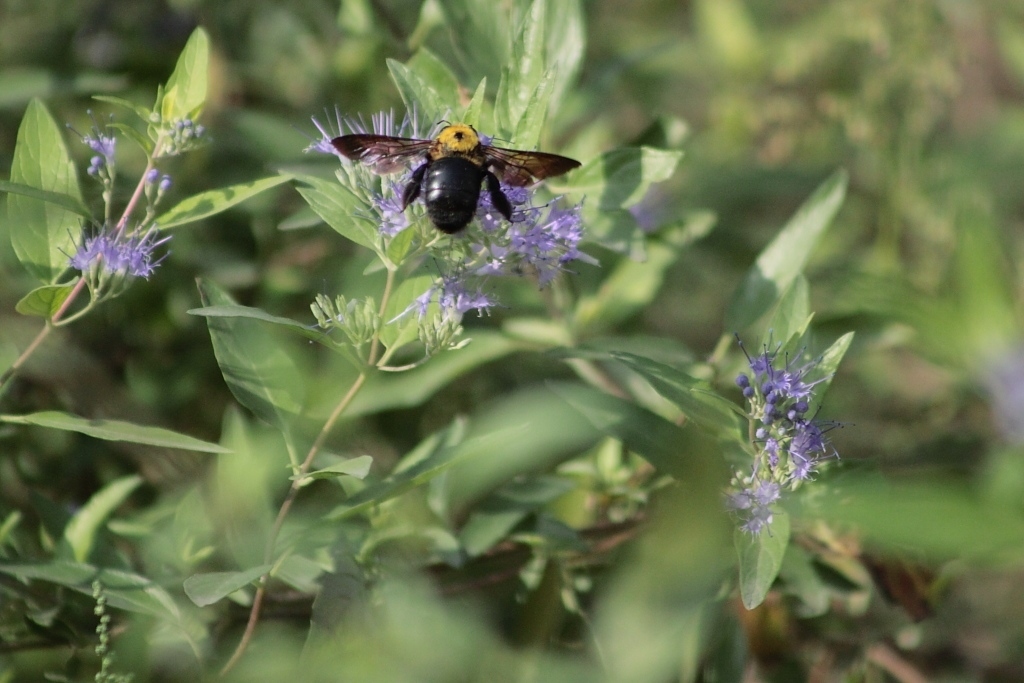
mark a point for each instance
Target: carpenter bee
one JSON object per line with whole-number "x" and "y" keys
{"x": 455, "y": 165}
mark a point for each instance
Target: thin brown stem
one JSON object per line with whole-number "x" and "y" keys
{"x": 297, "y": 483}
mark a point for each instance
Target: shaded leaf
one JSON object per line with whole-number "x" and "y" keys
{"x": 81, "y": 530}
{"x": 115, "y": 430}
{"x": 760, "y": 558}
{"x": 784, "y": 258}
{"x": 206, "y": 589}
{"x": 44, "y": 301}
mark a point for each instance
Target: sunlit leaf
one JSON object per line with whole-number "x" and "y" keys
{"x": 212, "y": 202}
{"x": 43, "y": 228}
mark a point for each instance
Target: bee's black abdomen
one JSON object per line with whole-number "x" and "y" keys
{"x": 451, "y": 190}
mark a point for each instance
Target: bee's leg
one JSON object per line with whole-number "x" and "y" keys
{"x": 498, "y": 198}
{"x": 412, "y": 190}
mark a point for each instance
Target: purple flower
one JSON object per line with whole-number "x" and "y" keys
{"x": 453, "y": 296}
{"x": 382, "y": 123}
{"x": 393, "y": 219}
{"x": 753, "y": 503}
{"x": 117, "y": 252}
{"x": 788, "y": 446}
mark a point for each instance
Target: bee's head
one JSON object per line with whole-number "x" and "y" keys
{"x": 458, "y": 137}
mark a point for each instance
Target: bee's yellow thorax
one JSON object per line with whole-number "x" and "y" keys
{"x": 458, "y": 138}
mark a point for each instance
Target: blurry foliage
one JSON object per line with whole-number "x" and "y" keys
{"x": 478, "y": 548}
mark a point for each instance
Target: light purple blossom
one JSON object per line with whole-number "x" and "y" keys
{"x": 118, "y": 252}
{"x": 789, "y": 447}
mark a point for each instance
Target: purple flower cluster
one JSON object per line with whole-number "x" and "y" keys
{"x": 540, "y": 240}
{"x": 788, "y": 444}
{"x": 118, "y": 252}
{"x": 105, "y": 147}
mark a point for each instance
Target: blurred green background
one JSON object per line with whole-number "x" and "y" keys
{"x": 921, "y": 102}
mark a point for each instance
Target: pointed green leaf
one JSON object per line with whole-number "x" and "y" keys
{"x": 43, "y": 233}
{"x": 185, "y": 92}
{"x": 696, "y": 399}
{"x": 212, "y": 202}
{"x": 311, "y": 332}
{"x": 760, "y": 558}
{"x": 44, "y": 301}
{"x": 115, "y": 430}
{"x": 81, "y": 530}
{"x": 57, "y": 199}
{"x": 206, "y": 589}
{"x": 259, "y": 372}
{"x": 474, "y": 110}
{"x": 565, "y": 45}
{"x": 140, "y": 111}
{"x": 782, "y": 260}
{"x": 417, "y": 94}
{"x": 124, "y": 590}
{"x": 144, "y": 143}
{"x": 620, "y": 178}
{"x": 339, "y": 208}
{"x": 357, "y": 467}
{"x": 529, "y": 125}
{"x": 793, "y": 313}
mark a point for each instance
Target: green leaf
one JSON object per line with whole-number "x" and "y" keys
{"x": 357, "y": 467}
{"x": 784, "y": 259}
{"x": 793, "y": 313}
{"x": 212, "y": 202}
{"x": 696, "y": 399}
{"x": 257, "y": 369}
{"x": 81, "y": 530}
{"x": 482, "y": 41}
{"x": 760, "y": 558}
{"x": 423, "y": 471}
{"x": 630, "y": 288}
{"x": 340, "y": 209}
{"x": 652, "y": 437}
{"x": 206, "y": 589}
{"x": 933, "y": 517}
{"x": 57, "y": 199}
{"x": 43, "y": 232}
{"x": 140, "y": 111}
{"x": 124, "y": 590}
{"x": 388, "y": 391}
{"x": 145, "y": 144}
{"x": 311, "y": 332}
{"x": 474, "y": 110}
{"x": 404, "y": 329}
{"x": 185, "y": 92}
{"x": 565, "y": 45}
{"x": 803, "y": 581}
{"x": 44, "y": 301}
{"x": 417, "y": 94}
{"x": 522, "y": 78}
{"x": 620, "y": 178}
{"x": 527, "y": 129}
{"x": 830, "y": 362}
{"x": 115, "y": 430}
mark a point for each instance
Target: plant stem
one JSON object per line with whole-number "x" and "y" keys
{"x": 75, "y": 291}
{"x": 297, "y": 483}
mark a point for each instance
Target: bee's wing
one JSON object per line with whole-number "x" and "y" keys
{"x": 384, "y": 154}
{"x": 520, "y": 168}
